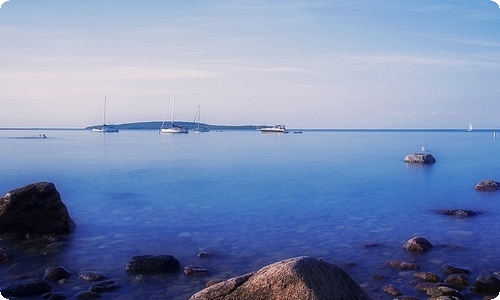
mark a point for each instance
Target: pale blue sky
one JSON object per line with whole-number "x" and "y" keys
{"x": 308, "y": 64}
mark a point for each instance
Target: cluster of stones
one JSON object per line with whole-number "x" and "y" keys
{"x": 456, "y": 281}
{"x": 37, "y": 212}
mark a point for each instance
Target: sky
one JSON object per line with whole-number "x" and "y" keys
{"x": 307, "y": 63}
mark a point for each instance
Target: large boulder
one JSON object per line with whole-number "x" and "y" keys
{"x": 420, "y": 158}
{"x": 487, "y": 185}
{"x": 304, "y": 278}
{"x": 34, "y": 208}
{"x": 153, "y": 264}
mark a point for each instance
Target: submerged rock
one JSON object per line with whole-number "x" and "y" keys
{"x": 487, "y": 185}
{"x": 34, "y": 208}
{"x": 459, "y": 213}
{"x": 57, "y": 273}
{"x": 153, "y": 264}
{"x": 420, "y": 158}
{"x": 27, "y": 287}
{"x": 417, "y": 244}
{"x": 295, "y": 278}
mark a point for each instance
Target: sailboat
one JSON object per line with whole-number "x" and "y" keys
{"x": 470, "y": 127}
{"x": 173, "y": 128}
{"x": 104, "y": 127}
{"x": 199, "y": 129}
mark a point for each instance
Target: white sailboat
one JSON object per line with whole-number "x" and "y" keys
{"x": 104, "y": 127}
{"x": 470, "y": 127}
{"x": 173, "y": 128}
{"x": 199, "y": 129}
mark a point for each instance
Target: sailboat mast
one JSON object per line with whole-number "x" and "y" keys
{"x": 104, "y": 113}
{"x": 173, "y": 106}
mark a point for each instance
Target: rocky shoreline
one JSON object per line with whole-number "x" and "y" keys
{"x": 395, "y": 279}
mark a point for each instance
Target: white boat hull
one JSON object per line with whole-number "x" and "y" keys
{"x": 274, "y": 129}
{"x": 174, "y": 130}
{"x": 105, "y": 129}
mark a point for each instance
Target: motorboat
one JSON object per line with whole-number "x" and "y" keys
{"x": 274, "y": 129}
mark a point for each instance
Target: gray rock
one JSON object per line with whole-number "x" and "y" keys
{"x": 104, "y": 286}
{"x": 34, "y": 208}
{"x": 420, "y": 158}
{"x": 27, "y": 287}
{"x": 444, "y": 292}
{"x": 486, "y": 285}
{"x": 458, "y": 280}
{"x": 426, "y": 276}
{"x": 459, "y": 213}
{"x": 295, "y": 278}
{"x": 91, "y": 275}
{"x": 401, "y": 265}
{"x": 487, "y": 185}
{"x": 195, "y": 270}
{"x": 153, "y": 264}
{"x": 392, "y": 290}
{"x": 449, "y": 269}
{"x": 57, "y": 273}
{"x": 417, "y": 244}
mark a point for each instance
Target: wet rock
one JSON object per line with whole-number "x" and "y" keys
{"x": 449, "y": 269}
{"x": 57, "y": 273}
{"x": 441, "y": 292}
{"x": 486, "y": 285}
{"x": 205, "y": 254}
{"x": 92, "y": 275}
{"x": 405, "y": 297}
{"x": 5, "y": 256}
{"x": 104, "y": 286}
{"x": 459, "y": 280}
{"x": 420, "y": 158}
{"x": 27, "y": 287}
{"x": 87, "y": 295}
{"x": 487, "y": 185}
{"x": 426, "y": 276}
{"x": 392, "y": 290}
{"x": 54, "y": 296}
{"x": 378, "y": 277}
{"x": 417, "y": 244}
{"x": 153, "y": 264}
{"x": 139, "y": 279}
{"x": 402, "y": 265}
{"x": 425, "y": 286}
{"x": 195, "y": 270}
{"x": 296, "y": 278}
{"x": 459, "y": 213}
{"x": 34, "y": 208}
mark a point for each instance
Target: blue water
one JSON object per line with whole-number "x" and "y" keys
{"x": 253, "y": 199}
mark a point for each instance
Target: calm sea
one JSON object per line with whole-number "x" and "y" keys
{"x": 253, "y": 199}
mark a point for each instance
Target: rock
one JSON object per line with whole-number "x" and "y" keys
{"x": 34, "y": 208}
{"x": 417, "y": 244}
{"x": 91, "y": 275}
{"x": 5, "y": 256}
{"x": 441, "y": 292}
{"x": 459, "y": 213}
{"x": 54, "y": 296}
{"x": 425, "y": 286}
{"x": 57, "y": 273}
{"x": 205, "y": 254}
{"x": 195, "y": 270}
{"x": 153, "y": 264}
{"x": 487, "y": 185}
{"x": 378, "y": 277}
{"x": 295, "y": 278}
{"x": 426, "y": 276}
{"x": 392, "y": 290}
{"x": 27, "y": 287}
{"x": 420, "y": 158}
{"x": 104, "y": 286}
{"x": 486, "y": 285}
{"x": 458, "y": 280}
{"x": 87, "y": 295}
{"x": 403, "y": 265}
{"x": 449, "y": 269}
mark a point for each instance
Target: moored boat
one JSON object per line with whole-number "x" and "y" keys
{"x": 274, "y": 129}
